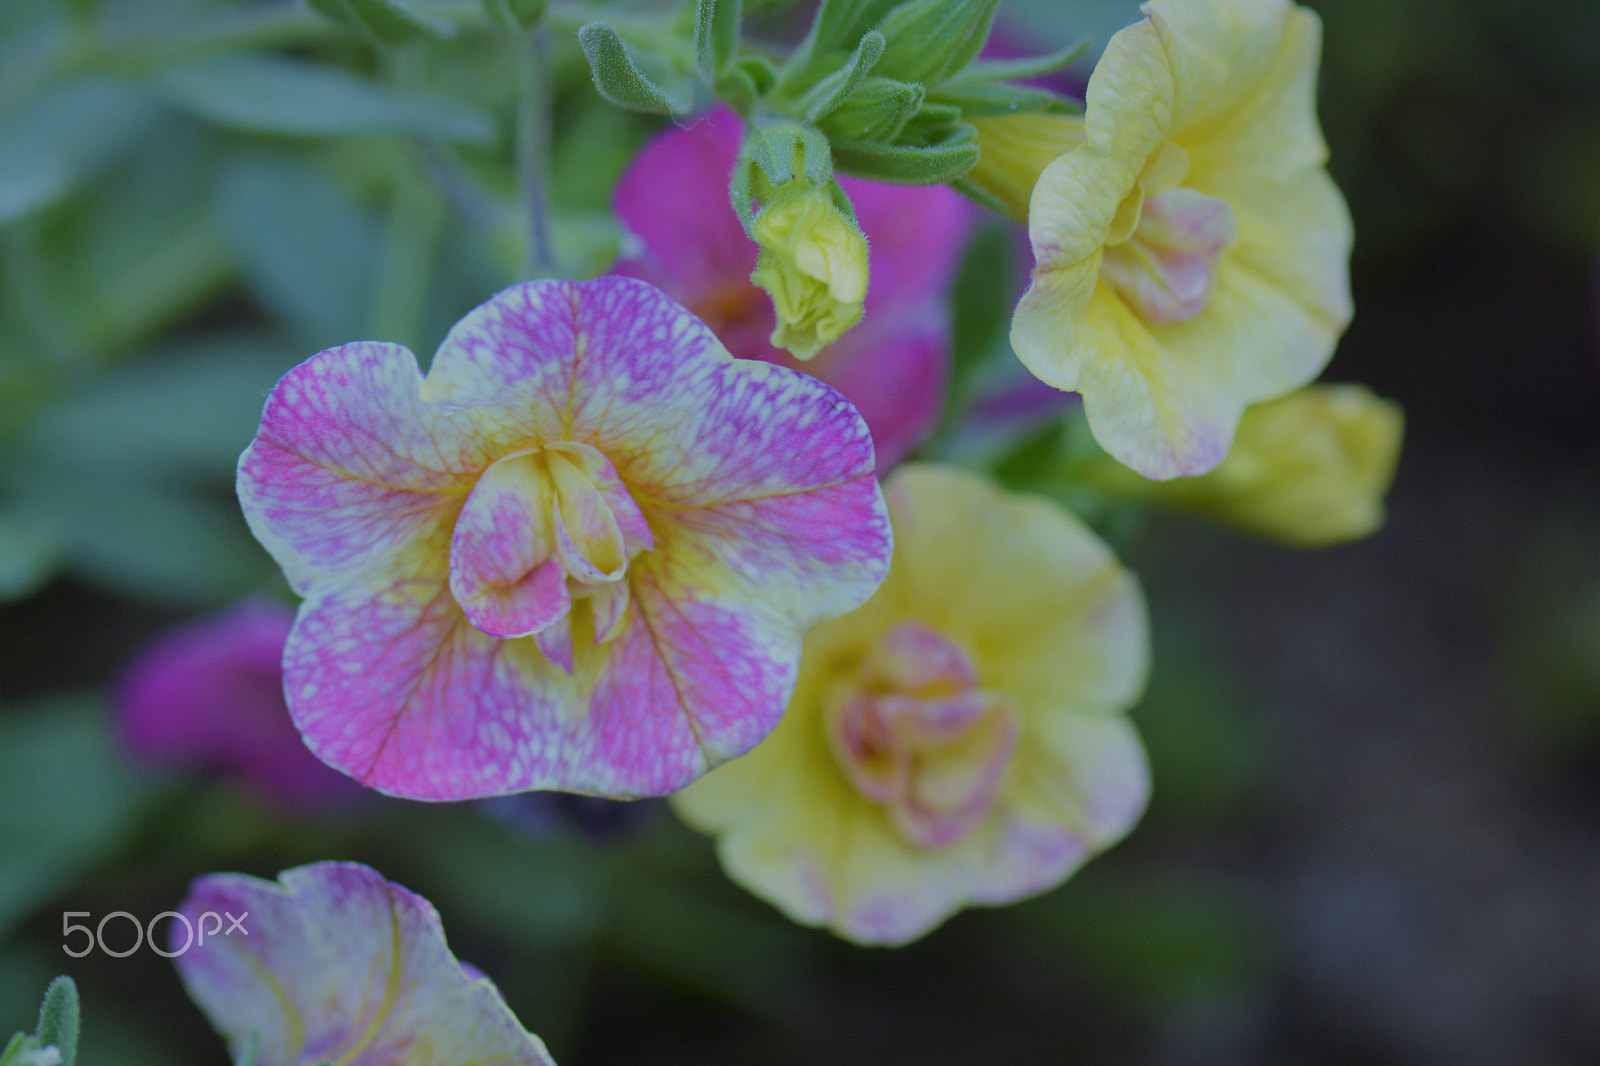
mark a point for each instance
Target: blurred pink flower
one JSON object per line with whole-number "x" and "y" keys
{"x": 893, "y": 365}
{"x": 210, "y": 694}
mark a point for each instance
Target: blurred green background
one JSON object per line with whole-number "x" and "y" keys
{"x": 1375, "y": 834}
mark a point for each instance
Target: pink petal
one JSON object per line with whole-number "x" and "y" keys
{"x": 333, "y": 963}
{"x": 350, "y": 470}
{"x": 504, "y": 571}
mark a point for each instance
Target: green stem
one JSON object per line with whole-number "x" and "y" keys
{"x": 533, "y": 149}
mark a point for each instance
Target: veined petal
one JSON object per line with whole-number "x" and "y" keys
{"x": 351, "y": 471}
{"x": 1055, "y": 631}
{"x": 334, "y": 964}
{"x": 504, "y": 569}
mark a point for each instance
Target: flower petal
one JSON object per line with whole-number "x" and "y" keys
{"x": 350, "y": 470}
{"x": 504, "y": 568}
{"x": 333, "y": 963}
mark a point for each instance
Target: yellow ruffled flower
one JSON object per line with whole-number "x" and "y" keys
{"x": 813, "y": 263}
{"x": 958, "y": 739}
{"x": 1310, "y": 469}
{"x": 1191, "y": 254}
{"x": 1013, "y": 151}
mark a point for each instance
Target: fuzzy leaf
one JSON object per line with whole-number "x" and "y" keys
{"x": 617, "y": 77}
{"x": 716, "y": 34}
{"x": 904, "y": 164}
{"x": 931, "y": 40}
{"x": 838, "y": 87}
{"x": 1032, "y": 67}
{"x": 58, "y": 1019}
{"x": 878, "y": 112}
{"x": 981, "y": 99}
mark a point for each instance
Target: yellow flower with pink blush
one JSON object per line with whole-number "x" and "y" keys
{"x": 1191, "y": 253}
{"x": 957, "y": 740}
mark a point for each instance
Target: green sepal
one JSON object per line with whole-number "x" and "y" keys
{"x": 58, "y": 1019}
{"x": 831, "y": 92}
{"x": 983, "y": 99}
{"x": 388, "y": 22}
{"x": 716, "y": 34}
{"x": 902, "y": 164}
{"x": 878, "y": 111}
{"x": 617, "y": 78}
{"x": 514, "y": 15}
{"x": 931, "y": 40}
{"x": 1030, "y": 67}
{"x": 787, "y": 151}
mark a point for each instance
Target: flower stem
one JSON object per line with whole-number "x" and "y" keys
{"x": 533, "y": 149}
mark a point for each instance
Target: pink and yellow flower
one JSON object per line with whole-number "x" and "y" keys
{"x": 893, "y": 364}
{"x": 1191, "y": 252}
{"x": 333, "y": 964}
{"x": 958, "y": 739}
{"x": 579, "y": 554}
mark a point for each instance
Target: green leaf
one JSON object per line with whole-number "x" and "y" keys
{"x": 981, "y": 99}
{"x": 982, "y": 70}
{"x": 183, "y": 414}
{"x": 386, "y": 21}
{"x": 60, "y": 748}
{"x": 835, "y": 89}
{"x": 29, "y": 554}
{"x": 140, "y": 539}
{"x": 275, "y": 94}
{"x": 981, "y": 298}
{"x": 63, "y": 137}
{"x": 878, "y": 111}
{"x": 58, "y": 1019}
{"x": 716, "y": 34}
{"x": 838, "y": 21}
{"x": 930, "y": 40}
{"x": 905, "y": 164}
{"x": 252, "y": 1048}
{"x": 307, "y": 250}
{"x": 617, "y": 78}
{"x": 514, "y": 15}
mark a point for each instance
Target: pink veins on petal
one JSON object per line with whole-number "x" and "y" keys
{"x": 579, "y": 554}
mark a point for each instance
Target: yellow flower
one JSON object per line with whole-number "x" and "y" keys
{"x": 1191, "y": 254}
{"x": 813, "y": 263}
{"x": 958, "y": 739}
{"x": 1310, "y": 468}
{"x": 1013, "y": 151}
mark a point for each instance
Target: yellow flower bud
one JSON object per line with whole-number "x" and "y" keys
{"x": 1309, "y": 469}
{"x": 813, "y": 264}
{"x": 1013, "y": 151}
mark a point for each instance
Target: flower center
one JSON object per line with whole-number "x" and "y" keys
{"x": 914, "y": 732}
{"x": 545, "y": 529}
{"x": 1166, "y": 267}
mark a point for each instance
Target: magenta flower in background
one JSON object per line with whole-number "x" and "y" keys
{"x": 893, "y": 365}
{"x": 210, "y": 694}
{"x": 580, "y": 553}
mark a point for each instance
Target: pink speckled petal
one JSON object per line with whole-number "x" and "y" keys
{"x": 610, "y": 605}
{"x": 592, "y": 464}
{"x": 351, "y": 472}
{"x": 334, "y": 964}
{"x": 504, "y": 570}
